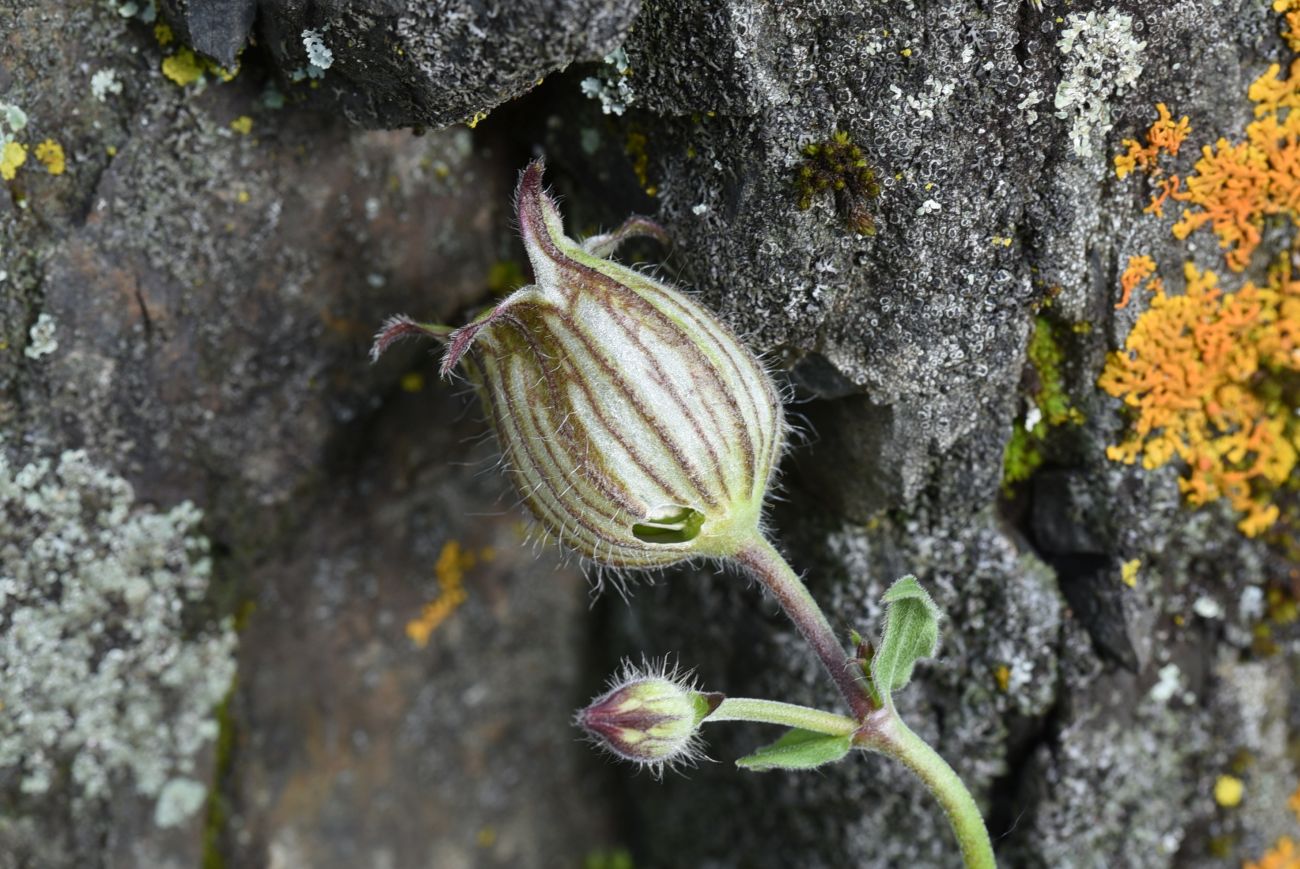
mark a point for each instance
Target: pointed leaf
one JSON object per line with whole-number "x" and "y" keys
{"x": 911, "y": 633}
{"x": 798, "y": 749}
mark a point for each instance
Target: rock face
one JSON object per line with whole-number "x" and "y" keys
{"x": 210, "y": 269}
{"x": 397, "y": 64}
{"x": 189, "y": 298}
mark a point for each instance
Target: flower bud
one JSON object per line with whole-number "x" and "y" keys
{"x": 638, "y": 429}
{"x": 649, "y": 718}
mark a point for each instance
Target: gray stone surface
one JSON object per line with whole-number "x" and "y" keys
{"x": 392, "y": 63}
{"x": 212, "y": 289}
{"x": 212, "y": 293}
{"x": 420, "y": 64}
{"x": 218, "y": 28}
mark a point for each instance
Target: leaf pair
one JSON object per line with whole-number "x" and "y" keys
{"x": 911, "y": 634}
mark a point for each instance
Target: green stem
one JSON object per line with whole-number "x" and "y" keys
{"x": 888, "y": 735}
{"x": 789, "y": 714}
{"x": 761, "y": 559}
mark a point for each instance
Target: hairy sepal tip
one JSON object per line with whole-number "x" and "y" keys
{"x": 399, "y": 327}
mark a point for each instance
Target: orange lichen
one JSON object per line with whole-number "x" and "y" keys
{"x": 1234, "y": 188}
{"x": 1194, "y": 373}
{"x": 1139, "y": 268}
{"x": 1231, "y": 187}
{"x": 1212, "y": 377}
{"x": 450, "y": 572}
{"x": 1168, "y": 187}
{"x": 1164, "y": 136}
{"x": 1290, "y": 10}
{"x": 1271, "y": 94}
{"x": 1283, "y": 855}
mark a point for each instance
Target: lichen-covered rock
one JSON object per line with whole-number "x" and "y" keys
{"x": 191, "y": 298}
{"x": 991, "y": 130}
{"x": 415, "y": 64}
{"x": 105, "y": 687}
{"x": 210, "y": 263}
{"x": 911, "y": 209}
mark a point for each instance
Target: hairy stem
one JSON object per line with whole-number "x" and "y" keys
{"x": 766, "y": 564}
{"x": 887, "y": 734}
{"x": 789, "y": 714}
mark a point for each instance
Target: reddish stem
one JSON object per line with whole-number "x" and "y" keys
{"x": 762, "y": 560}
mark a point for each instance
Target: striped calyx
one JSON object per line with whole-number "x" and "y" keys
{"x": 639, "y": 430}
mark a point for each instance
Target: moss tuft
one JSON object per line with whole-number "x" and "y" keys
{"x": 838, "y": 165}
{"x": 1050, "y": 406}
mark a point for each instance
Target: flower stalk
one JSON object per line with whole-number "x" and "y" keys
{"x": 766, "y": 564}
{"x": 788, "y": 714}
{"x": 892, "y": 738}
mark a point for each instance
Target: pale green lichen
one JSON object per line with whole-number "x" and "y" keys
{"x": 105, "y": 82}
{"x": 42, "y": 341}
{"x": 102, "y": 679}
{"x": 319, "y": 54}
{"x": 611, "y": 85}
{"x": 142, "y": 11}
{"x": 1101, "y": 63}
{"x": 12, "y": 121}
{"x": 180, "y": 798}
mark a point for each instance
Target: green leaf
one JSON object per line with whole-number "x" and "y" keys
{"x": 798, "y": 749}
{"x": 911, "y": 633}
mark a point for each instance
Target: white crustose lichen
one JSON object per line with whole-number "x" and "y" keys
{"x": 102, "y": 680}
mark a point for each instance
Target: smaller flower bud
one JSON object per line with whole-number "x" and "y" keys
{"x": 650, "y": 717}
